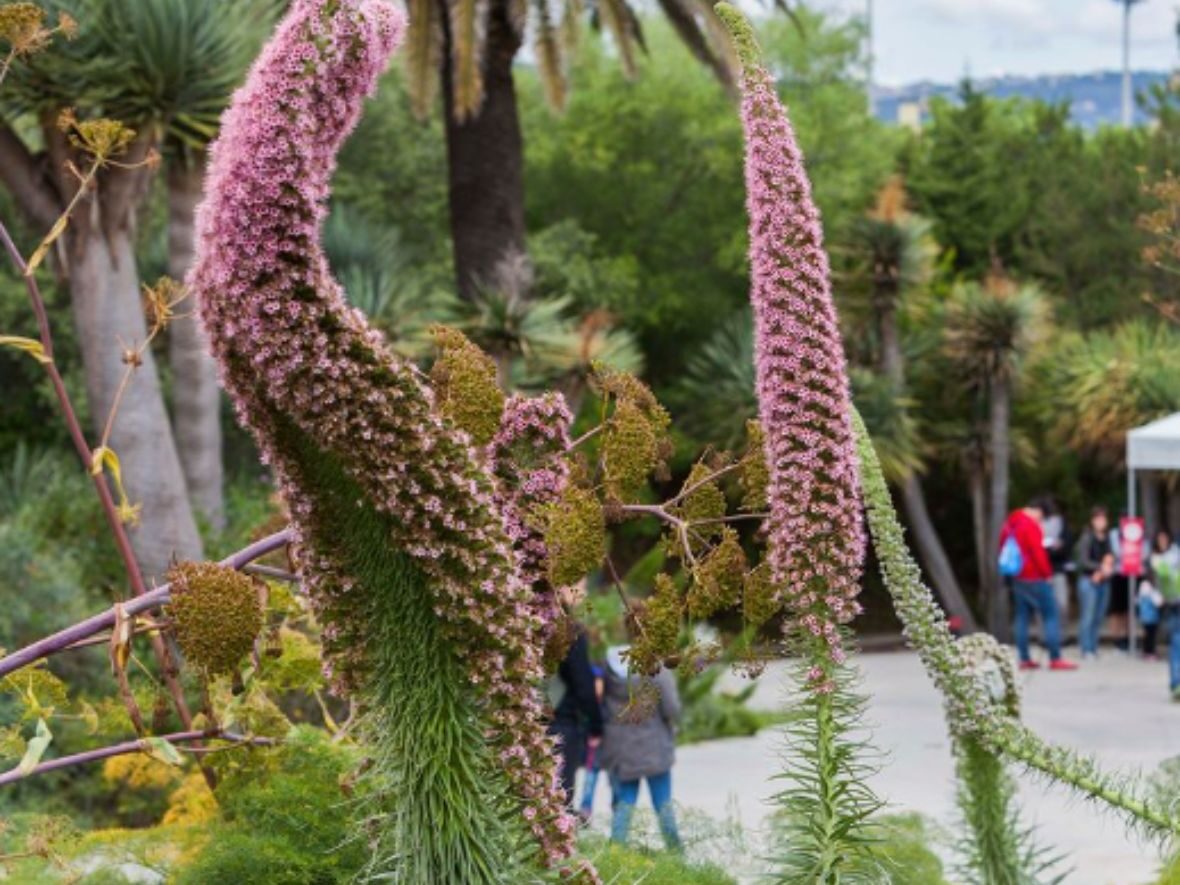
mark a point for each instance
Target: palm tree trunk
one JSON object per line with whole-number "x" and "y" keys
{"x": 930, "y": 550}
{"x": 933, "y": 554}
{"x": 104, "y": 289}
{"x": 485, "y": 159}
{"x": 976, "y": 486}
{"x": 999, "y": 445}
{"x": 196, "y": 398}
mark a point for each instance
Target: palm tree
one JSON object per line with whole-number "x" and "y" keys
{"x": 897, "y": 252}
{"x": 468, "y": 47}
{"x": 990, "y": 330}
{"x": 1109, "y": 381}
{"x": 1128, "y": 107}
{"x": 165, "y": 68}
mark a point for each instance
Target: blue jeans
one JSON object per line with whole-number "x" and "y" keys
{"x": 626, "y": 797}
{"x": 1095, "y": 600}
{"x": 1172, "y": 625}
{"x": 1036, "y": 597}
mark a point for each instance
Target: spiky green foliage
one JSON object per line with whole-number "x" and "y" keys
{"x": 972, "y": 709}
{"x": 827, "y": 806}
{"x": 285, "y": 819}
{"x": 999, "y": 849}
{"x": 174, "y": 62}
{"x": 441, "y": 811}
{"x": 992, "y": 328}
{"x": 1109, "y": 380}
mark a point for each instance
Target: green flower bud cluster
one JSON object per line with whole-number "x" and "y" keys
{"x": 575, "y": 536}
{"x": 466, "y": 387}
{"x": 656, "y": 628}
{"x": 761, "y": 600}
{"x": 717, "y": 580}
{"x": 216, "y": 615}
{"x": 755, "y": 474}
{"x": 635, "y": 445}
{"x": 703, "y": 508}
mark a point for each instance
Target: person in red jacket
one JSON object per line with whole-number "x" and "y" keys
{"x": 1032, "y": 588}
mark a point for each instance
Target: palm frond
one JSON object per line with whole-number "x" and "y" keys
{"x": 715, "y": 397}
{"x": 550, "y": 61}
{"x": 1109, "y": 381}
{"x": 990, "y": 329}
{"x": 467, "y": 20}
{"x": 889, "y": 416}
{"x": 622, "y": 24}
{"x": 424, "y": 43}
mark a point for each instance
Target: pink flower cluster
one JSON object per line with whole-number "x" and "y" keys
{"x": 526, "y": 458}
{"x": 816, "y": 534}
{"x": 294, "y": 355}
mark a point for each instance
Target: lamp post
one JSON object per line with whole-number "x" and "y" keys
{"x": 1128, "y": 109}
{"x": 869, "y": 58}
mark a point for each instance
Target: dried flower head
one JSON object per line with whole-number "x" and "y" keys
{"x": 22, "y": 27}
{"x": 216, "y": 615}
{"x": 101, "y": 138}
{"x": 465, "y": 385}
{"x": 160, "y": 302}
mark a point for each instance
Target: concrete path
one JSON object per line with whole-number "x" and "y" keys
{"x": 1115, "y": 708}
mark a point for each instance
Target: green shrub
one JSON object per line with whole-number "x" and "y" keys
{"x": 905, "y": 850}
{"x": 625, "y": 866}
{"x": 287, "y": 822}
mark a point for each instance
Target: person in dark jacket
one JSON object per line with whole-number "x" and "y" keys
{"x": 577, "y": 716}
{"x": 635, "y": 750}
{"x": 1095, "y": 558}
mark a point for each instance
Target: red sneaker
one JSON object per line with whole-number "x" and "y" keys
{"x": 1030, "y": 665}
{"x": 1062, "y": 664}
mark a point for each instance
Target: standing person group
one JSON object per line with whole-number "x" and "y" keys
{"x": 597, "y": 728}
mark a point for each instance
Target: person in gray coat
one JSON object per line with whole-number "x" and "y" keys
{"x": 639, "y": 750}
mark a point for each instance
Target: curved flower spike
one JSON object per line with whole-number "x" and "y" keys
{"x": 402, "y": 546}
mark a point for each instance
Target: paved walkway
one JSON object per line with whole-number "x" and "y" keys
{"x": 1115, "y": 708}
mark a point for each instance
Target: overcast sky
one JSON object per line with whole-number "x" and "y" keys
{"x": 941, "y": 39}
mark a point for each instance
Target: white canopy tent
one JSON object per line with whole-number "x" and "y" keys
{"x": 1154, "y": 446}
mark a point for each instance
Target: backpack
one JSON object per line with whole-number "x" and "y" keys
{"x": 1011, "y": 561}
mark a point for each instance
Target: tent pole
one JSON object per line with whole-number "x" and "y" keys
{"x": 1130, "y": 580}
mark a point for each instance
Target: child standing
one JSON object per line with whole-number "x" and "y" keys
{"x": 1150, "y": 605}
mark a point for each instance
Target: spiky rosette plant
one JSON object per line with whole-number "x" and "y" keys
{"x": 402, "y": 547}
{"x": 816, "y": 540}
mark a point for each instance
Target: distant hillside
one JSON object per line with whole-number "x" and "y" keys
{"x": 1095, "y": 99}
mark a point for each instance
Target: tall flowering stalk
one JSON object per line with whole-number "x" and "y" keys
{"x": 816, "y": 539}
{"x": 402, "y": 545}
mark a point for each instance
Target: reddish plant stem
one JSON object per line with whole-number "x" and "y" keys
{"x": 160, "y": 648}
{"x": 77, "y": 436}
{"x": 70, "y": 636}
{"x": 136, "y": 746}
